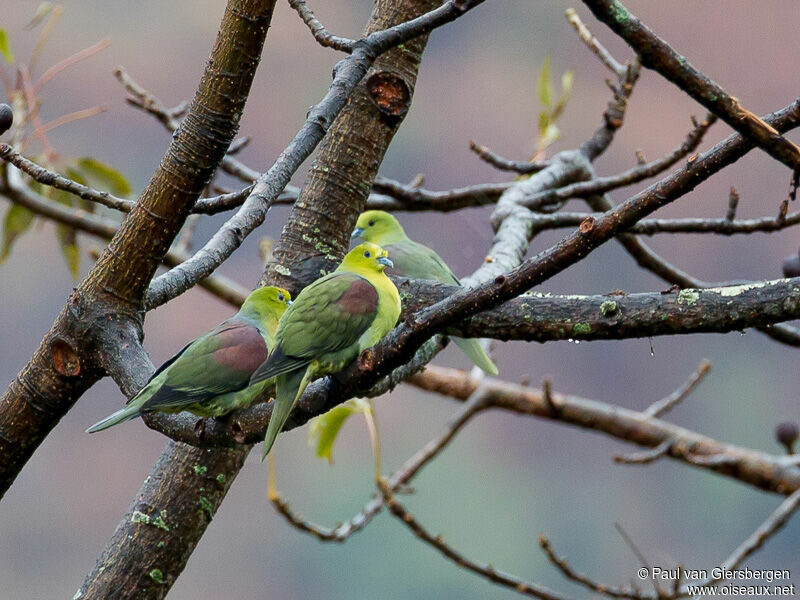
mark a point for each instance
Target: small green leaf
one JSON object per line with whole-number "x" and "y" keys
{"x": 5, "y": 49}
{"x": 104, "y": 176}
{"x": 68, "y": 240}
{"x": 550, "y": 135}
{"x": 566, "y": 84}
{"x": 325, "y": 428}
{"x": 566, "y": 89}
{"x": 18, "y": 220}
{"x": 42, "y": 11}
{"x": 544, "y": 122}
{"x": 544, "y": 86}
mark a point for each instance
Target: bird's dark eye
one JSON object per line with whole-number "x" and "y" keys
{"x": 367, "y": 254}
{"x": 371, "y": 223}
{"x": 280, "y": 297}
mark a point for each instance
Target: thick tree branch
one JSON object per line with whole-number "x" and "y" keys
{"x": 548, "y": 317}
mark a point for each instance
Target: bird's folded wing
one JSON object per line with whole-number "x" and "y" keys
{"x": 218, "y": 362}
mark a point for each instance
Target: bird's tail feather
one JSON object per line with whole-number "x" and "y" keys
{"x": 277, "y": 364}
{"x": 288, "y": 387}
{"x": 475, "y": 352}
{"x": 131, "y": 411}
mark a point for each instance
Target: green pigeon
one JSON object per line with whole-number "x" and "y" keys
{"x": 210, "y": 377}
{"x": 329, "y": 324}
{"x": 415, "y": 261}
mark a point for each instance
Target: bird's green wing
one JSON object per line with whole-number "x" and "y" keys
{"x": 416, "y": 261}
{"x": 412, "y": 259}
{"x": 328, "y": 316}
{"x": 218, "y": 362}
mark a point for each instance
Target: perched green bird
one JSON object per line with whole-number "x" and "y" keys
{"x": 330, "y": 323}
{"x": 412, "y": 259}
{"x": 210, "y": 377}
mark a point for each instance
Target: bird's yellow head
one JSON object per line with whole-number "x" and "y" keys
{"x": 378, "y": 227}
{"x": 366, "y": 257}
{"x": 267, "y": 301}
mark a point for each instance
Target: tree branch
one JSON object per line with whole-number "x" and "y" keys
{"x": 656, "y": 54}
{"x": 765, "y": 471}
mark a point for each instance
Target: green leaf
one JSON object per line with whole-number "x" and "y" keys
{"x": 544, "y": 86}
{"x": 544, "y": 122}
{"x": 18, "y": 220}
{"x": 5, "y": 49}
{"x": 104, "y": 176}
{"x": 566, "y": 89}
{"x": 325, "y": 428}
{"x": 566, "y": 84}
{"x": 550, "y": 135}
{"x": 42, "y": 11}
{"x": 68, "y": 240}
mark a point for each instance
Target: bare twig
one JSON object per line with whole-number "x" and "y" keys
{"x": 598, "y": 185}
{"x": 69, "y": 61}
{"x": 767, "y": 529}
{"x": 523, "y": 167}
{"x": 322, "y": 35}
{"x": 145, "y": 100}
{"x": 587, "y": 38}
{"x": 710, "y": 225}
{"x": 51, "y": 178}
{"x": 600, "y": 588}
{"x": 664, "y": 405}
{"x": 646, "y": 456}
{"x": 766, "y": 471}
{"x": 472, "y": 407}
{"x": 639, "y": 555}
{"x": 487, "y": 571}
{"x": 733, "y": 204}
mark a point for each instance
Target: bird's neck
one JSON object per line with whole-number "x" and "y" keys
{"x": 264, "y": 319}
{"x": 391, "y": 237}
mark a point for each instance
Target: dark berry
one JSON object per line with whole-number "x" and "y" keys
{"x": 6, "y": 118}
{"x": 791, "y": 266}
{"x": 787, "y": 433}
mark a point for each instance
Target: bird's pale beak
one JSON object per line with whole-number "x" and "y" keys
{"x": 384, "y": 260}
{"x": 357, "y": 232}
{"x": 289, "y": 302}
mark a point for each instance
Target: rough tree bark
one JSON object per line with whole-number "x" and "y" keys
{"x": 320, "y": 222}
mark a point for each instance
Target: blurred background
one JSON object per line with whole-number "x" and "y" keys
{"x": 505, "y": 479}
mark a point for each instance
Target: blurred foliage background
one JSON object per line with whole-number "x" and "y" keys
{"x": 505, "y": 479}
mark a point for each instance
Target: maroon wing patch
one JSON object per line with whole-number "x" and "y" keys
{"x": 241, "y": 348}
{"x": 360, "y": 298}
